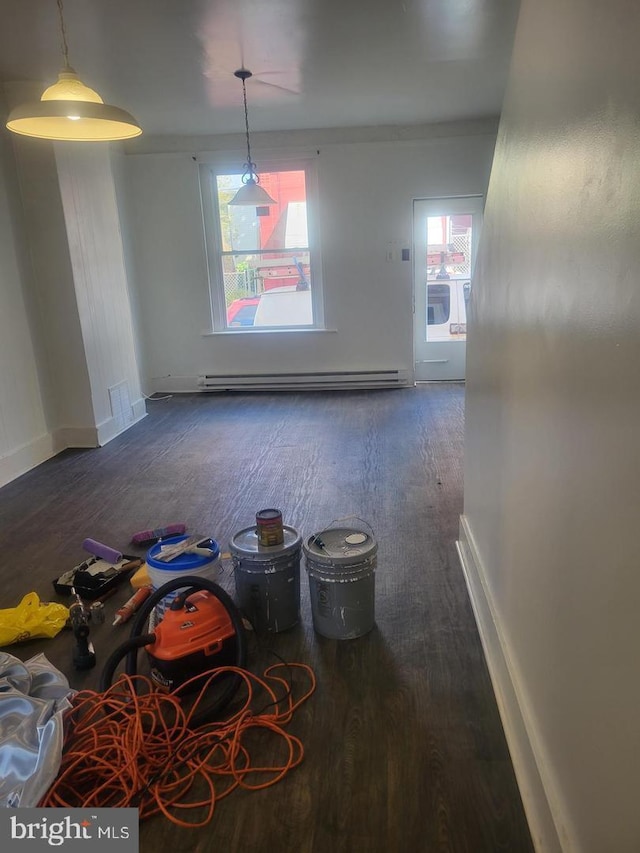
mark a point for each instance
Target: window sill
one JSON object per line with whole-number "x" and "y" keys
{"x": 232, "y": 333}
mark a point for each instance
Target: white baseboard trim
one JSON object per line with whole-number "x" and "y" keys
{"x": 521, "y": 740}
{"x": 65, "y": 437}
{"x": 22, "y": 459}
{"x": 139, "y": 409}
{"x": 108, "y": 430}
{"x": 173, "y": 385}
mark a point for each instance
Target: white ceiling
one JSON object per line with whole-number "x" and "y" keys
{"x": 317, "y": 63}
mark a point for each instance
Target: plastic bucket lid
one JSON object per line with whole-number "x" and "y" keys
{"x": 340, "y": 548}
{"x": 183, "y": 562}
{"x": 246, "y": 546}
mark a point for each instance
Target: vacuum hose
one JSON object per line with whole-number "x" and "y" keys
{"x": 137, "y": 640}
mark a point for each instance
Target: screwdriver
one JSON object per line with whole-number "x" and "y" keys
{"x": 84, "y": 656}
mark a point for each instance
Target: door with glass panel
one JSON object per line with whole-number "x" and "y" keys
{"x": 446, "y": 232}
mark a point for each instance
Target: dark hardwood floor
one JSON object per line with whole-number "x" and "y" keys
{"x": 404, "y": 749}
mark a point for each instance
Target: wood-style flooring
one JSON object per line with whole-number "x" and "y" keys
{"x": 404, "y": 748}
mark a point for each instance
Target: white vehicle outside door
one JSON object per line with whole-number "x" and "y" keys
{"x": 446, "y": 233}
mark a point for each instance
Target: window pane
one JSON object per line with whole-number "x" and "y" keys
{"x": 265, "y": 253}
{"x": 449, "y": 246}
{"x": 438, "y": 304}
{"x": 280, "y": 225}
{"x": 284, "y": 306}
{"x": 258, "y": 289}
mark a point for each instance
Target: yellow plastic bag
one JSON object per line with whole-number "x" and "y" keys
{"x": 31, "y": 618}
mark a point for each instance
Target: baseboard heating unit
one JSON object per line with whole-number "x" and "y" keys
{"x": 330, "y": 380}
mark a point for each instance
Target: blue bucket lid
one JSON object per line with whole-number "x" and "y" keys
{"x": 183, "y": 562}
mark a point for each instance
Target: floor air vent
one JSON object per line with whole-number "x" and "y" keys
{"x": 121, "y": 409}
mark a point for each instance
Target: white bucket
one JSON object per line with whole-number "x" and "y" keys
{"x": 191, "y": 565}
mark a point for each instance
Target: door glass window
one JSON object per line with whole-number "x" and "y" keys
{"x": 449, "y": 245}
{"x": 446, "y": 232}
{"x": 438, "y": 304}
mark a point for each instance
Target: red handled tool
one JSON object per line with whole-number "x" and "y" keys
{"x": 129, "y": 607}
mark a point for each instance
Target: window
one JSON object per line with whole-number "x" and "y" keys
{"x": 449, "y": 253}
{"x": 263, "y": 268}
{"x": 438, "y": 304}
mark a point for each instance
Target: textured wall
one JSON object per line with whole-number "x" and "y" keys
{"x": 97, "y": 259}
{"x": 552, "y": 475}
{"x": 24, "y": 437}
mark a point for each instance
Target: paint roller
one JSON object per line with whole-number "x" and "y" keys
{"x": 99, "y": 573}
{"x": 98, "y": 549}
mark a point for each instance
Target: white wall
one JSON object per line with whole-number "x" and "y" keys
{"x": 128, "y": 248}
{"x": 552, "y": 467}
{"x": 65, "y": 378}
{"x": 366, "y": 191}
{"x": 95, "y": 246}
{"x": 80, "y": 287}
{"x": 69, "y": 334}
{"x": 24, "y": 435}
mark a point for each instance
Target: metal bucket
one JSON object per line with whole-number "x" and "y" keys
{"x": 341, "y": 563}
{"x": 267, "y": 579}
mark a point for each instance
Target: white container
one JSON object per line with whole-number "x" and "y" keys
{"x": 184, "y": 565}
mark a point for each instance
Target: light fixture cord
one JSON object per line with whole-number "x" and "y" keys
{"x": 249, "y": 165}
{"x": 65, "y": 47}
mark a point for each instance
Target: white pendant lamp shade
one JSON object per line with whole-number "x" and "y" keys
{"x": 251, "y": 194}
{"x": 71, "y": 111}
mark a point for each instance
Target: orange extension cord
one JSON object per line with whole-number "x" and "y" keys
{"x": 122, "y": 749}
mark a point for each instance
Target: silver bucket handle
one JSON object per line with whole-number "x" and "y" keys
{"x": 349, "y": 518}
{"x": 320, "y": 544}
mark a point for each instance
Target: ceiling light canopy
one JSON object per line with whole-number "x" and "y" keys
{"x": 250, "y": 193}
{"x": 71, "y": 111}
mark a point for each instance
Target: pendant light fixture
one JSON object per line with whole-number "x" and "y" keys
{"x": 250, "y": 193}
{"x": 69, "y": 110}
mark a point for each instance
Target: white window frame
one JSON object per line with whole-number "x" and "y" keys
{"x": 230, "y": 164}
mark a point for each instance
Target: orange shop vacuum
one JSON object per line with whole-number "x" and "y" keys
{"x": 201, "y": 630}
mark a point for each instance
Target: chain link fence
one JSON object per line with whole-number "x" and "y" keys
{"x": 238, "y": 284}
{"x": 462, "y": 243}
